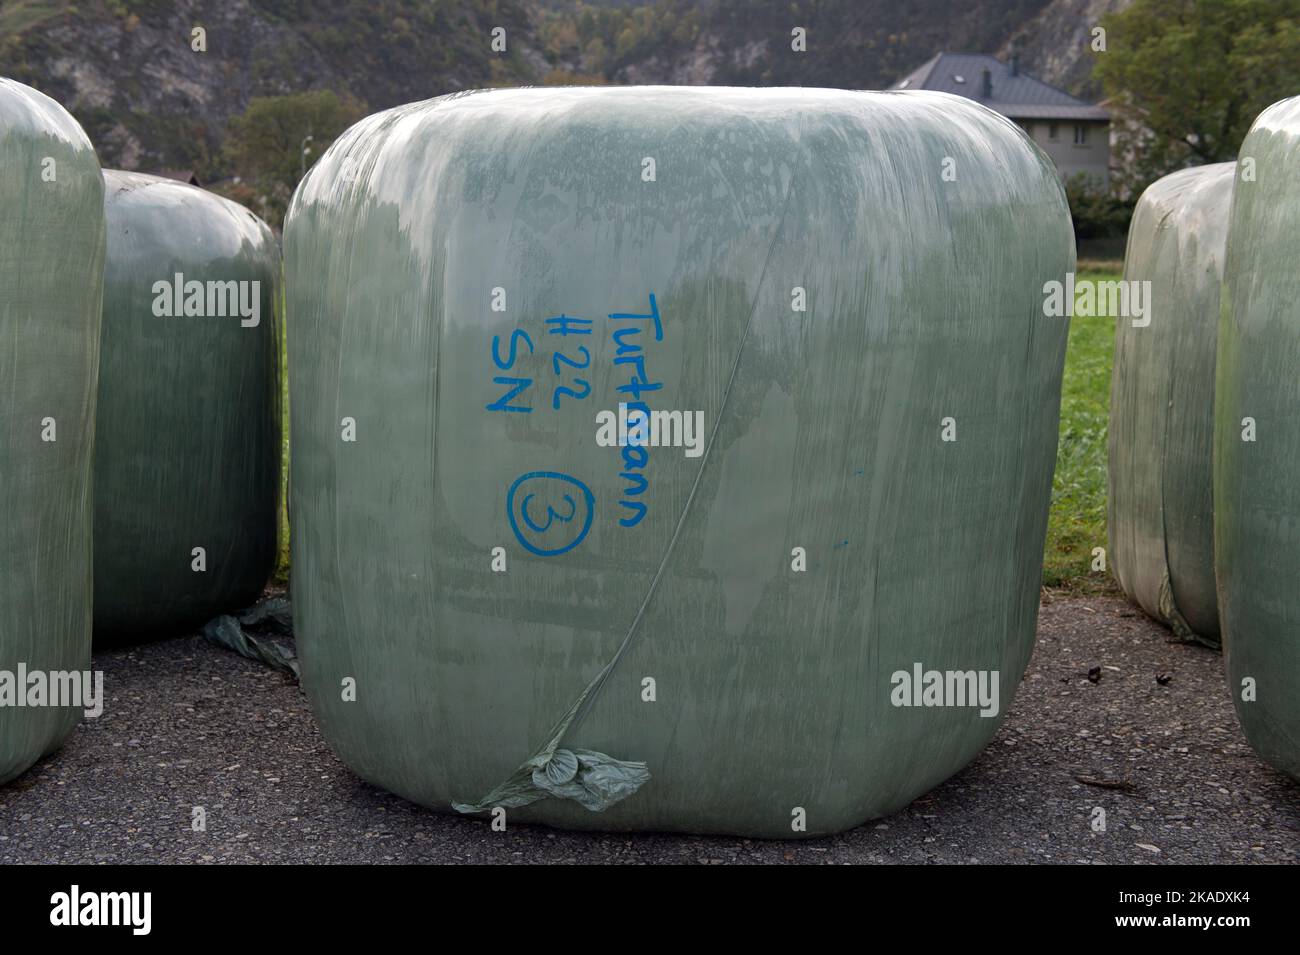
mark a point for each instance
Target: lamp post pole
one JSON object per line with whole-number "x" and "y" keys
{"x": 303, "y": 150}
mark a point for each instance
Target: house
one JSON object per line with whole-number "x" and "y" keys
{"x": 1075, "y": 134}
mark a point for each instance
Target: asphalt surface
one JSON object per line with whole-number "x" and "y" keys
{"x": 187, "y": 724}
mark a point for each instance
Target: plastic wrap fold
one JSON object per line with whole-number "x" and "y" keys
{"x": 51, "y": 281}
{"x": 1161, "y": 501}
{"x": 188, "y": 461}
{"x": 831, "y": 303}
{"x": 259, "y": 633}
{"x": 1257, "y": 440}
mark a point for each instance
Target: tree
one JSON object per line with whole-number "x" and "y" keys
{"x": 1188, "y": 77}
{"x": 1097, "y": 213}
{"x": 269, "y": 148}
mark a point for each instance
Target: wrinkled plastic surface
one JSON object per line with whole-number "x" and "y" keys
{"x": 188, "y": 416}
{"x": 1257, "y": 483}
{"x": 51, "y": 280}
{"x": 821, "y": 430}
{"x": 1161, "y": 500}
{"x": 257, "y": 633}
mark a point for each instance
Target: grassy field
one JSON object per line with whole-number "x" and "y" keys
{"x": 1078, "y": 519}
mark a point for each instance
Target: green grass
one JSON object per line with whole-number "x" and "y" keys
{"x": 1077, "y": 522}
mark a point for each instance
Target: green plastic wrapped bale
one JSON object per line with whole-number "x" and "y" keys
{"x": 1257, "y": 440}
{"x": 1161, "y": 499}
{"x": 188, "y": 460}
{"x": 827, "y": 310}
{"x": 51, "y": 280}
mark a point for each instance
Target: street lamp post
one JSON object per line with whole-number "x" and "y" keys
{"x": 304, "y": 149}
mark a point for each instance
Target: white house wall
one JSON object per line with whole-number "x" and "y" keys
{"x": 1091, "y": 158}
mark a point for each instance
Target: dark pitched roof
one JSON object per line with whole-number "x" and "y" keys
{"x": 1015, "y": 95}
{"x": 180, "y": 175}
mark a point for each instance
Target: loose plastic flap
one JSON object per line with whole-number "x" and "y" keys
{"x": 256, "y": 633}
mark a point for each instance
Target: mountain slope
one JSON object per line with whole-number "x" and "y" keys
{"x": 1056, "y": 45}
{"x": 126, "y": 68}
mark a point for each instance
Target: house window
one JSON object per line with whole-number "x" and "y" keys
{"x": 1080, "y": 135}
{"x": 1053, "y": 132}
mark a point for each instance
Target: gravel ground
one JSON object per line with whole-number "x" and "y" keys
{"x": 188, "y": 724}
